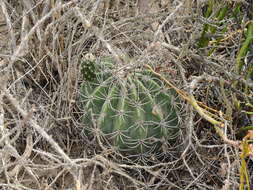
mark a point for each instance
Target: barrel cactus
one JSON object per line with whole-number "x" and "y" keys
{"x": 133, "y": 109}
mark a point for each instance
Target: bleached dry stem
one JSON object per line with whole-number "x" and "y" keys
{"x": 19, "y": 49}
{"x": 39, "y": 129}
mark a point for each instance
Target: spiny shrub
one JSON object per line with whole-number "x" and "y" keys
{"x": 133, "y": 109}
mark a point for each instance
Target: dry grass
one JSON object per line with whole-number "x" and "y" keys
{"x": 42, "y": 44}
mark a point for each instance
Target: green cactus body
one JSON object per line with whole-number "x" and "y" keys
{"x": 133, "y": 110}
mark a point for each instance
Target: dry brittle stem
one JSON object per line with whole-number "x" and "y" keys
{"x": 92, "y": 178}
{"x": 40, "y": 130}
{"x": 9, "y": 24}
{"x": 188, "y": 141}
{"x": 19, "y": 50}
{"x": 24, "y": 157}
{"x": 4, "y": 133}
{"x": 2, "y": 86}
{"x": 117, "y": 170}
{"x": 55, "y": 179}
{"x": 88, "y": 25}
{"x": 29, "y": 8}
{"x": 156, "y": 35}
{"x": 226, "y": 152}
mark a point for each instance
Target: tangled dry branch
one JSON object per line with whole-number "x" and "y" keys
{"x": 42, "y": 44}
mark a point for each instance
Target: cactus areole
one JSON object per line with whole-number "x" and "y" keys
{"x": 133, "y": 109}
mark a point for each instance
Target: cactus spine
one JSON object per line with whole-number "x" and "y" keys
{"x": 133, "y": 110}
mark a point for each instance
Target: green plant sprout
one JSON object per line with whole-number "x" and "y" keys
{"x": 219, "y": 23}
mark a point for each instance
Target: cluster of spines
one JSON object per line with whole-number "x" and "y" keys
{"x": 133, "y": 111}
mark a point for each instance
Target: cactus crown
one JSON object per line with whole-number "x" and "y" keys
{"x": 134, "y": 110}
